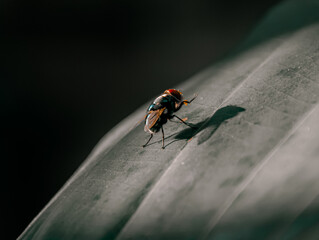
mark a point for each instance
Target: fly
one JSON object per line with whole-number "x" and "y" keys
{"x": 163, "y": 109}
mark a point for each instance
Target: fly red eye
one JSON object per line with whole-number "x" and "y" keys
{"x": 177, "y": 94}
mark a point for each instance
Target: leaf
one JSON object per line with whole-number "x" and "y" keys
{"x": 250, "y": 171}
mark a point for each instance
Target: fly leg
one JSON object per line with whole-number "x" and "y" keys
{"x": 162, "y": 137}
{"x": 148, "y": 140}
{"x": 188, "y": 102}
{"x": 187, "y": 124}
{"x": 184, "y": 119}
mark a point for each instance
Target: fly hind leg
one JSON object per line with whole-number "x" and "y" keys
{"x": 148, "y": 141}
{"x": 162, "y": 137}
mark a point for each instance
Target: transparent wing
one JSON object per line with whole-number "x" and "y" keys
{"x": 152, "y": 117}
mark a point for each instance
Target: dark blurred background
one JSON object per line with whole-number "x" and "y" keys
{"x": 73, "y": 69}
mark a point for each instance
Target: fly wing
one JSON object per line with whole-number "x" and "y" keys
{"x": 140, "y": 121}
{"x": 151, "y": 118}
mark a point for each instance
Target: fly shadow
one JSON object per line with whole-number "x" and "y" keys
{"x": 220, "y": 116}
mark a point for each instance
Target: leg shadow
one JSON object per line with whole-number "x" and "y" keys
{"x": 220, "y": 116}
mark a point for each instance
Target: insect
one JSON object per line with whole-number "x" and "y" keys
{"x": 163, "y": 109}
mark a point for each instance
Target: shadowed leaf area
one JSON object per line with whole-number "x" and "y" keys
{"x": 220, "y": 116}
{"x": 248, "y": 169}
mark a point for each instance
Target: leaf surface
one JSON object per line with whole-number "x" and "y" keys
{"x": 250, "y": 171}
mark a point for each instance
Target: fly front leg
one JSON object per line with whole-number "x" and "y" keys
{"x": 162, "y": 137}
{"x": 187, "y": 124}
{"x": 188, "y": 102}
{"x": 148, "y": 140}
